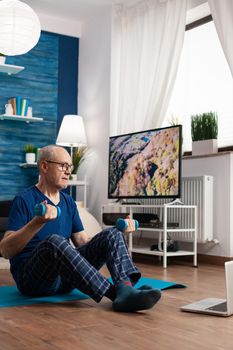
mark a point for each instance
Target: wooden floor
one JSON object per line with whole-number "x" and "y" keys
{"x": 85, "y": 325}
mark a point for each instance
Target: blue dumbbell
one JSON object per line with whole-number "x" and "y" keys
{"x": 40, "y": 210}
{"x": 122, "y": 224}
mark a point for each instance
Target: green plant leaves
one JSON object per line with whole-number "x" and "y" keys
{"x": 29, "y": 148}
{"x": 78, "y": 157}
{"x": 204, "y": 126}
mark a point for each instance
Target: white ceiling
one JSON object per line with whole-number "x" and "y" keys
{"x": 73, "y": 9}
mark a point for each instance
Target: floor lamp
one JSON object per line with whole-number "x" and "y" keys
{"x": 72, "y": 133}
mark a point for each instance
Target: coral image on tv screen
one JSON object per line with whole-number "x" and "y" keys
{"x": 145, "y": 164}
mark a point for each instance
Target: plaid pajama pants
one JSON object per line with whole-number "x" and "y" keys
{"x": 57, "y": 267}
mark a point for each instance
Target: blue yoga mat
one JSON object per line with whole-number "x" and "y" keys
{"x": 158, "y": 284}
{"x": 10, "y": 296}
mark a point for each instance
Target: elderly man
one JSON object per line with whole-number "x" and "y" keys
{"x": 43, "y": 262}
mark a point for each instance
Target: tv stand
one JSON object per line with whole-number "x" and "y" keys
{"x": 130, "y": 203}
{"x": 164, "y": 232}
{"x": 126, "y": 202}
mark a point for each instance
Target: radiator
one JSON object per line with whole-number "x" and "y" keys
{"x": 198, "y": 191}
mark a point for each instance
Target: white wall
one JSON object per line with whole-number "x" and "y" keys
{"x": 94, "y": 103}
{"x": 195, "y": 3}
{"x": 58, "y": 25}
{"x": 231, "y": 205}
{"x": 220, "y": 166}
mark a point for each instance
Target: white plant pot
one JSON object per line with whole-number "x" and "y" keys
{"x": 2, "y": 59}
{"x": 30, "y": 158}
{"x": 204, "y": 147}
{"x": 73, "y": 177}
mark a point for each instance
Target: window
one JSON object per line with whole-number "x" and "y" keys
{"x": 204, "y": 83}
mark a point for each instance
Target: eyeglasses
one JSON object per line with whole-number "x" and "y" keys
{"x": 62, "y": 166}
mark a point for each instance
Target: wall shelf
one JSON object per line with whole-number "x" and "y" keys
{"x": 10, "y": 69}
{"x": 28, "y": 165}
{"x": 20, "y": 118}
{"x": 79, "y": 183}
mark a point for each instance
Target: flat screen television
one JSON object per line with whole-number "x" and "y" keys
{"x": 146, "y": 164}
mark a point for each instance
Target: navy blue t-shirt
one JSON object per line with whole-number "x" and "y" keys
{"x": 22, "y": 211}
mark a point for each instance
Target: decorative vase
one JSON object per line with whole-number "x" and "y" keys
{"x": 204, "y": 147}
{"x": 30, "y": 158}
{"x": 2, "y": 59}
{"x": 73, "y": 177}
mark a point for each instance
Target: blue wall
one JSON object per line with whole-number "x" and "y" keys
{"x": 67, "y": 77}
{"x": 52, "y": 63}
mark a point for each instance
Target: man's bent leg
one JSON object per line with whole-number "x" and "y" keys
{"x": 109, "y": 247}
{"x": 55, "y": 260}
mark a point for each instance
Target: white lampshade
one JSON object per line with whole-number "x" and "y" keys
{"x": 19, "y": 28}
{"x": 72, "y": 132}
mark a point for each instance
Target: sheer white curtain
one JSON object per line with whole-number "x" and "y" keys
{"x": 222, "y": 13}
{"x": 147, "y": 40}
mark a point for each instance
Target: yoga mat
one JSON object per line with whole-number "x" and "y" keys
{"x": 158, "y": 284}
{"x": 10, "y": 296}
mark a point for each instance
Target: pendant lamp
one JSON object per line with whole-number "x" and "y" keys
{"x": 19, "y": 28}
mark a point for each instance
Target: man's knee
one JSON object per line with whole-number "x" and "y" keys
{"x": 55, "y": 244}
{"x": 55, "y": 240}
{"x": 114, "y": 234}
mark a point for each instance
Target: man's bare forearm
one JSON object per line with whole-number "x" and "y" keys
{"x": 14, "y": 241}
{"x": 80, "y": 238}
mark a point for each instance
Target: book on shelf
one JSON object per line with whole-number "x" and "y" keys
{"x": 20, "y": 105}
{"x": 12, "y": 101}
{"x": 24, "y": 106}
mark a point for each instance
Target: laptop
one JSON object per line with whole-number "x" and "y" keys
{"x": 214, "y": 306}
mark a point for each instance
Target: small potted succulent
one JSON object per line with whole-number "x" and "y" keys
{"x": 204, "y": 129}
{"x": 30, "y": 153}
{"x": 77, "y": 159}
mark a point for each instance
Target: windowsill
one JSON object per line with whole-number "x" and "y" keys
{"x": 220, "y": 150}
{"x": 188, "y": 155}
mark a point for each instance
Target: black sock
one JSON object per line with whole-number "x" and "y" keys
{"x": 111, "y": 293}
{"x": 129, "y": 299}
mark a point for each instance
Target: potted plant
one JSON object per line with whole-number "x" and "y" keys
{"x": 204, "y": 128}
{"x": 30, "y": 153}
{"x": 77, "y": 159}
{"x": 2, "y": 58}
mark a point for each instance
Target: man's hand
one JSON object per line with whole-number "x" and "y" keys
{"x": 127, "y": 225}
{"x": 50, "y": 214}
{"x": 131, "y": 225}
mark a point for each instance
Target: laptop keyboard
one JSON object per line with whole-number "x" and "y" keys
{"x": 219, "y": 307}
